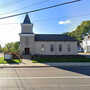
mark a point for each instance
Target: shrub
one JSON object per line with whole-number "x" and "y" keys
{"x": 15, "y": 55}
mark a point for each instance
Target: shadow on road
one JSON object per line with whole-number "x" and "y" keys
{"x": 77, "y": 69}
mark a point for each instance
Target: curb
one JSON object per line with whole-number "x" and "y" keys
{"x": 46, "y": 65}
{"x": 25, "y": 66}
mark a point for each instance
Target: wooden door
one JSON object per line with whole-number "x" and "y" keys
{"x": 27, "y": 51}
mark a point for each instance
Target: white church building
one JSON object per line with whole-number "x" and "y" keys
{"x": 44, "y": 44}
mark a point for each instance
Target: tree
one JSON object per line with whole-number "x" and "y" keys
{"x": 11, "y": 47}
{"x": 83, "y": 28}
{"x": 1, "y": 48}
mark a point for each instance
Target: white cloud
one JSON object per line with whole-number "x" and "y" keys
{"x": 65, "y": 22}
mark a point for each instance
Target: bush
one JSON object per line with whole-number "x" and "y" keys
{"x": 15, "y": 55}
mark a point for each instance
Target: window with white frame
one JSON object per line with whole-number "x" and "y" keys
{"x": 52, "y": 48}
{"x": 60, "y": 47}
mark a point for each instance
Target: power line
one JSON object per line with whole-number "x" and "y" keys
{"x": 40, "y": 9}
{"x": 33, "y": 4}
{"x": 51, "y": 18}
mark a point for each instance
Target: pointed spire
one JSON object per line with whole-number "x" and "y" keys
{"x": 27, "y": 19}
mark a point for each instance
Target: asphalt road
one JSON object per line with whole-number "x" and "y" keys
{"x": 45, "y": 78}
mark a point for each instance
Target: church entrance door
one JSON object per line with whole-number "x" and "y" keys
{"x": 27, "y": 51}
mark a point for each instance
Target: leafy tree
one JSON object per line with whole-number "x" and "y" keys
{"x": 83, "y": 28}
{"x": 1, "y": 48}
{"x": 11, "y": 47}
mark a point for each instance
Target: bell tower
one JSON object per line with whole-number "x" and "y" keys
{"x": 26, "y": 37}
{"x": 27, "y": 26}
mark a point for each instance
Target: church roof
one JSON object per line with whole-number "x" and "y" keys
{"x": 53, "y": 37}
{"x": 27, "y": 20}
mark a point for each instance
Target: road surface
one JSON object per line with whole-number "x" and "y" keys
{"x": 45, "y": 78}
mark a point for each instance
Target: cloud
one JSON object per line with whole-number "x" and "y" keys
{"x": 65, "y": 22}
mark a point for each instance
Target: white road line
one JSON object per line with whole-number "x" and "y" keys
{"x": 66, "y": 77}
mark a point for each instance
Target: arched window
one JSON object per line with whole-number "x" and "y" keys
{"x": 52, "y": 48}
{"x": 60, "y": 47}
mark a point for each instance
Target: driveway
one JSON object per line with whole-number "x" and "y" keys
{"x": 45, "y": 78}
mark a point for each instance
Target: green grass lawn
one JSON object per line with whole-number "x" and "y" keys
{"x": 58, "y": 59}
{"x": 14, "y": 61}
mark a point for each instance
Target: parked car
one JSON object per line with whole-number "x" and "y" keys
{"x": 80, "y": 50}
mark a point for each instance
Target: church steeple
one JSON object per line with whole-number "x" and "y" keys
{"x": 27, "y": 20}
{"x": 27, "y": 26}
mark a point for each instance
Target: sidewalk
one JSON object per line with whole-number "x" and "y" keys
{"x": 28, "y": 63}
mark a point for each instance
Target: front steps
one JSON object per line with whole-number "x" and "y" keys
{"x": 26, "y": 56}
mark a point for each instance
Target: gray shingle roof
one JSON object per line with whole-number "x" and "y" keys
{"x": 27, "y": 20}
{"x": 53, "y": 37}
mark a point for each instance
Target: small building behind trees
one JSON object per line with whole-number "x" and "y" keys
{"x": 86, "y": 43}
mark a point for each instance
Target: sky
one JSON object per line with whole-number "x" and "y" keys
{"x": 52, "y": 21}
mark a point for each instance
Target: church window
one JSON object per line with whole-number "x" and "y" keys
{"x": 52, "y": 48}
{"x": 60, "y": 47}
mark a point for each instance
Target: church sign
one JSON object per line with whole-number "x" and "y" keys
{"x": 7, "y": 56}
